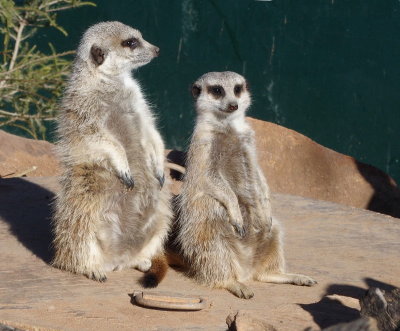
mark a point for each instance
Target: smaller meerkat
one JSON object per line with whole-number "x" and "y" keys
{"x": 225, "y": 231}
{"x": 113, "y": 209}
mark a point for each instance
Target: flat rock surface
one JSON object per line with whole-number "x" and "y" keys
{"x": 20, "y": 155}
{"x": 346, "y": 249}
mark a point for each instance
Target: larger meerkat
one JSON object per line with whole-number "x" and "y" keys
{"x": 113, "y": 210}
{"x": 225, "y": 230}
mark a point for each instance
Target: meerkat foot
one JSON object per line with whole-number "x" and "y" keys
{"x": 127, "y": 180}
{"x": 295, "y": 279}
{"x": 240, "y": 290}
{"x": 143, "y": 265}
{"x": 97, "y": 276}
{"x": 303, "y": 280}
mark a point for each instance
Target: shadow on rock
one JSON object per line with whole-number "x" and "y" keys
{"x": 25, "y": 206}
{"x": 376, "y": 283}
{"x": 330, "y": 310}
{"x": 386, "y": 198}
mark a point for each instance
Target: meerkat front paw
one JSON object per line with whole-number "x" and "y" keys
{"x": 239, "y": 229}
{"x": 236, "y": 222}
{"x": 240, "y": 290}
{"x": 155, "y": 160}
{"x": 127, "y": 180}
{"x": 269, "y": 224}
{"x": 161, "y": 180}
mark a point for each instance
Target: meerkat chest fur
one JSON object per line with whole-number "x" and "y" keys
{"x": 135, "y": 100}
{"x": 129, "y": 114}
{"x": 234, "y": 146}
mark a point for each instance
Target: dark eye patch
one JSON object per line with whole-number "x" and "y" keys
{"x": 196, "y": 90}
{"x": 216, "y": 90}
{"x": 131, "y": 43}
{"x": 238, "y": 90}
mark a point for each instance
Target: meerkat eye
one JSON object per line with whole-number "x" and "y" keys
{"x": 216, "y": 90}
{"x": 238, "y": 89}
{"x": 131, "y": 43}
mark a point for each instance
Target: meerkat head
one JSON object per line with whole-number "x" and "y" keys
{"x": 114, "y": 48}
{"x": 221, "y": 93}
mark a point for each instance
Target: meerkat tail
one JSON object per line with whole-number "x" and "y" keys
{"x": 156, "y": 273}
{"x": 177, "y": 167}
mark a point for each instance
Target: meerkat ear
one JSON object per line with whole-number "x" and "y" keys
{"x": 98, "y": 55}
{"x": 196, "y": 90}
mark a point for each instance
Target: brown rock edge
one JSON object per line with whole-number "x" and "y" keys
{"x": 292, "y": 163}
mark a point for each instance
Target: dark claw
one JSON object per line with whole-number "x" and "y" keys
{"x": 270, "y": 224}
{"x": 127, "y": 180}
{"x": 161, "y": 180}
{"x": 239, "y": 229}
{"x": 101, "y": 279}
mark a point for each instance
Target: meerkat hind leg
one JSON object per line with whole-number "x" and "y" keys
{"x": 272, "y": 266}
{"x": 286, "y": 278}
{"x": 97, "y": 275}
{"x": 143, "y": 265}
{"x": 240, "y": 290}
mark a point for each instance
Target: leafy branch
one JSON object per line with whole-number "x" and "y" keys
{"x": 31, "y": 81}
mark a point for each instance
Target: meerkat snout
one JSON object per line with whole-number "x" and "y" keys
{"x": 233, "y": 106}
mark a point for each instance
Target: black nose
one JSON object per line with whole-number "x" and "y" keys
{"x": 233, "y": 106}
{"x": 156, "y": 51}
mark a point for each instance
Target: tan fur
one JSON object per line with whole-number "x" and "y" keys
{"x": 113, "y": 210}
{"x": 225, "y": 231}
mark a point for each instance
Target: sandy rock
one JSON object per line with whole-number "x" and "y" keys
{"x": 241, "y": 321}
{"x": 361, "y": 324}
{"x": 20, "y": 156}
{"x": 347, "y": 250}
{"x": 5, "y": 327}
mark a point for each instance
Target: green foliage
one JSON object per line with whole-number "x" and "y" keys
{"x": 31, "y": 81}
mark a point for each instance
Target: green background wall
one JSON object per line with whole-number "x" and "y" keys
{"x": 328, "y": 69}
